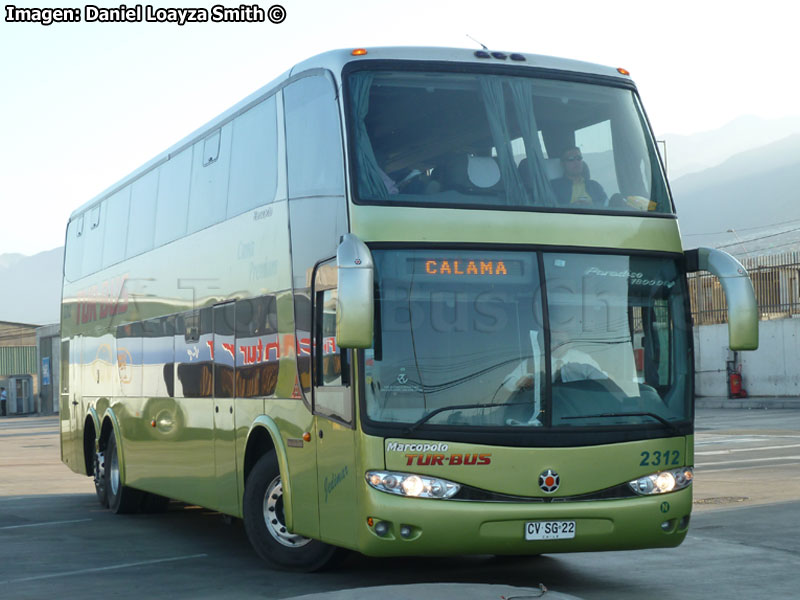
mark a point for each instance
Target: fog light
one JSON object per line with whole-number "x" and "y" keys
{"x": 381, "y": 528}
{"x": 667, "y": 525}
{"x": 405, "y": 532}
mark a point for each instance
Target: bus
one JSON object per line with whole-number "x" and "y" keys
{"x": 399, "y": 301}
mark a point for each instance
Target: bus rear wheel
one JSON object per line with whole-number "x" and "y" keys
{"x": 121, "y": 498}
{"x": 265, "y": 523}
{"x": 99, "y": 475}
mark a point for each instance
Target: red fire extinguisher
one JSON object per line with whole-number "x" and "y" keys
{"x": 735, "y": 383}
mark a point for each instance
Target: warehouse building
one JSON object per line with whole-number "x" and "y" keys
{"x": 19, "y": 368}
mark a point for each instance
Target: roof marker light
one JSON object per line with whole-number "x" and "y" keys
{"x": 359, "y": 52}
{"x": 622, "y": 71}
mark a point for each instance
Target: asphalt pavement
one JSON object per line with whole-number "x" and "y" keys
{"x": 750, "y": 402}
{"x": 448, "y": 590}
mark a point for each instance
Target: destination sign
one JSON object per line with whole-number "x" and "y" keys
{"x": 466, "y": 267}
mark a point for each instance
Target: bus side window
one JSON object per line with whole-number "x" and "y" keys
{"x": 93, "y": 240}
{"x": 258, "y": 351}
{"x": 331, "y": 370}
{"x": 194, "y": 353}
{"x": 116, "y": 227}
{"x": 129, "y": 358}
{"x": 328, "y": 357}
{"x": 253, "y": 176}
{"x": 224, "y": 350}
{"x": 157, "y": 354}
{"x": 330, "y": 361}
{"x": 314, "y": 141}
{"x": 302, "y": 316}
{"x": 74, "y": 251}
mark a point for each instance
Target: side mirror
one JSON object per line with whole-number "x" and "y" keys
{"x": 738, "y": 289}
{"x": 355, "y": 306}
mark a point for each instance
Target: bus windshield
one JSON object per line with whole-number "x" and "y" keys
{"x": 489, "y": 141}
{"x": 476, "y": 339}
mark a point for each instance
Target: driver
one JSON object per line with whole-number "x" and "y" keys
{"x": 569, "y": 363}
{"x": 521, "y": 378}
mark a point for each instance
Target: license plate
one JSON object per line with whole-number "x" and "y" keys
{"x": 549, "y": 530}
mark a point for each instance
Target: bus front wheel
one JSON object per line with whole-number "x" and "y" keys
{"x": 265, "y": 523}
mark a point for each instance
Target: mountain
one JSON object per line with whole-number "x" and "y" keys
{"x": 31, "y": 287}
{"x": 750, "y": 204}
{"x": 9, "y": 260}
{"x": 697, "y": 152}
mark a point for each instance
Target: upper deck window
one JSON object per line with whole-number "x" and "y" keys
{"x": 490, "y": 141}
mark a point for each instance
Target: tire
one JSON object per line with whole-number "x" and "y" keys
{"x": 98, "y": 473}
{"x": 121, "y": 498}
{"x": 265, "y": 525}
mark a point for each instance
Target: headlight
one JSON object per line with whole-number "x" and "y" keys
{"x": 663, "y": 482}
{"x": 414, "y": 486}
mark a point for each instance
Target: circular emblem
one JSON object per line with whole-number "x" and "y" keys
{"x": 357, "y": 261}
{"x": 549, "y": 481}
{"x": 402, "y": 379}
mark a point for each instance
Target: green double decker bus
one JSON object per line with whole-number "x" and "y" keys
{"x": 401, "y": 301}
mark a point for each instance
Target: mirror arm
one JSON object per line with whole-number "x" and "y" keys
{"x": 739, "y": 294}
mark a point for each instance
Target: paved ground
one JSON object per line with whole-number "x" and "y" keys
{"x": 55, "y": 541}
{"x": 754, "y": 402}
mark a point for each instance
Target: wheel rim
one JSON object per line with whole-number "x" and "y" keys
{"x": 114, "y": 472}
{"x": 99, "y": 471}
{"x": 275, "y": 520}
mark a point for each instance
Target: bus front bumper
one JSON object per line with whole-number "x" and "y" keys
{"x": 400, "y": 526}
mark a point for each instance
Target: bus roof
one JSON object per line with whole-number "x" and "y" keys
{"x": 335, "y": 60}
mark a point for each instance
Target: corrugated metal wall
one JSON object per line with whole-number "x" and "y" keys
{"x": 18, "y": 360}
{"x": 17, "y": 334}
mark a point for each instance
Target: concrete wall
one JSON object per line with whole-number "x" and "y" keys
{"x": 772, "y": 370}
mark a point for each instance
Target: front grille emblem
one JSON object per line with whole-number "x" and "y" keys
{"x": 549, "y": 481}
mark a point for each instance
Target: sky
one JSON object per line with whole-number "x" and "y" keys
{"x": 84, "y": 104}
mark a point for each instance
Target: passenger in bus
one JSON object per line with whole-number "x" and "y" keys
{"x": 391, "y": 185}
{"x": 575, "y": 188}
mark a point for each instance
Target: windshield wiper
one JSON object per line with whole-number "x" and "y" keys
{"x": 658, "y": 418}
{"x": 426, "y": 417}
